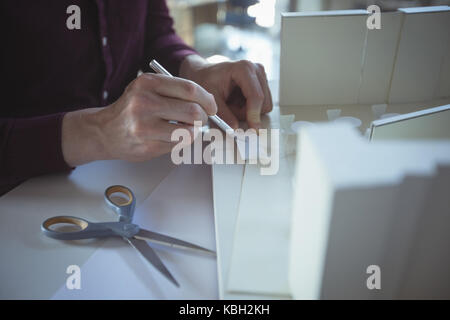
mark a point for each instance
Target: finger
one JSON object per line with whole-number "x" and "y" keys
{"x": 226, "y": 115}
{"x": 246, "y": 78}
{"x": 171, "y": 109}
{"x": 267, "y": 105}
{"x": 236, "y": 103}
{"x": 238, "y": 111}
{"x": 178, "y": 88}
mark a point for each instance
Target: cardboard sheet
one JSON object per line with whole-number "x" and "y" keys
{"x": 117, "y": 271}
{"x": 259, "y": 259}
{"x": 34, "y": 266}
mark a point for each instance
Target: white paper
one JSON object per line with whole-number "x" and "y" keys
{"x": 259, "y": 259}
{"x": 34, "y": 266}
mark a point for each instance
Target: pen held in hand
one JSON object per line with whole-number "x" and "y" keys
{"x": 215, "y": 118}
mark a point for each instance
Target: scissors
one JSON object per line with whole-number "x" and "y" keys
{"x": 124, "y": 228}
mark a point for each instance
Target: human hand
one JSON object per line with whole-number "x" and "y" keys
{"x": 240, "y": 88}
{"x": 136, "y": 126}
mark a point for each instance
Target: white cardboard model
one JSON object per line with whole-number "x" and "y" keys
{"x": 420, "y": 55}
{"x": 431, "y": 123}
{"x": 358, "y": 204}
{"x": 259, "y": 259}
{"x": 332, "y": 58}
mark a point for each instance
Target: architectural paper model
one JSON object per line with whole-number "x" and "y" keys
{"x": 358, "y": 204}
{"x": 332, "y": 58}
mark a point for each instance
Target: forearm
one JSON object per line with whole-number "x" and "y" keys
{"x": 30, "y": 147}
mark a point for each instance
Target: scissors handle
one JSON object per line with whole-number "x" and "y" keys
{"x": 124, "y": 210}
{"x": 88, "y": 230}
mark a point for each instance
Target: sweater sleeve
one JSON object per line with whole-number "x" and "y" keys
{"x": 161, "y": 41}
{"x": 30, "y": 147}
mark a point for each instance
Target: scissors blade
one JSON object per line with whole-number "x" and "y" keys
{"x": 158, "y": 238}
{"x": 150, "y": 255}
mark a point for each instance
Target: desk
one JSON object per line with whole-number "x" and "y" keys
{"x": 227, "y": 177}
{"x": 34, "y": 267}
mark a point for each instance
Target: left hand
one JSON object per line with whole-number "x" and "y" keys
{"x": 240, "y": 88}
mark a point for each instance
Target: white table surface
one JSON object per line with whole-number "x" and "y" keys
{"x": 34, "y": 267}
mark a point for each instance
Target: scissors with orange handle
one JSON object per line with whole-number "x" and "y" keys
{"x": 130, "y": 232}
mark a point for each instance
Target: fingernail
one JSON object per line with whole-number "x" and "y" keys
{"x": 254, "y": 116}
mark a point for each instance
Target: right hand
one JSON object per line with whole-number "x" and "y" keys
{"x": 136, "y": 126}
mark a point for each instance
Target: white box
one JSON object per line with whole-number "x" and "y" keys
{"x": 321, "y": 57}
{"x": 420, "y": 54}
{"x": 444, "y": 81}
{"x": 352, "y": 209}
{"x": 381, "y": 46}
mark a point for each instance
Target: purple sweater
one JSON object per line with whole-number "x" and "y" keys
{"x": 47, "y": 70}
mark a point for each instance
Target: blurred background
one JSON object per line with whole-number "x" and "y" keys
{"x": 249, "y": 29}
